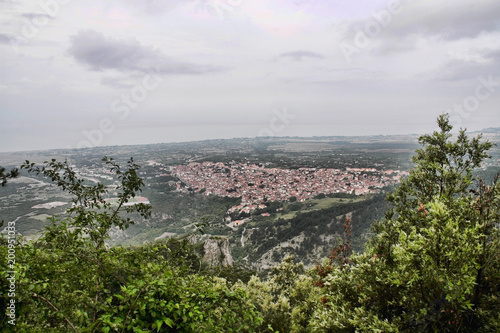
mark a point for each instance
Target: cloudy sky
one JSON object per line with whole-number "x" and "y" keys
{"x": 85, "y": 73}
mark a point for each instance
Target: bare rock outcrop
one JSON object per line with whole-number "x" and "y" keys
{"x": 217, "y": 252}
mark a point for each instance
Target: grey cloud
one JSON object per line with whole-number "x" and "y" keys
{"x": 453, "y": 21}
{"x": 395, "y": 45}
{"x": 99, "y": 53}
{"x": 480, "y": 63}
{"x": 463, "y": 21}
{"x": 34, "y": 16}
{"x": 493, "y": 55}
{"x": 443, "y": 20}
{"x": 457, "y": 70}
{"x": 4, "y": 39}
{"x": 299, "y": 55}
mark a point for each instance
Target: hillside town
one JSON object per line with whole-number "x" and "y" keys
{"x": 257, "y": 184}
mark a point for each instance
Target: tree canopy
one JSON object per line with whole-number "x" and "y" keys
{"x": 433, "y": 264}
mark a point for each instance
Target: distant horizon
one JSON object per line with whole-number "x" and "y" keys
{"x": 484, "y": 130}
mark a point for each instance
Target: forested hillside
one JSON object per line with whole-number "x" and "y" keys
{"x": 309, "y": 236}
{"x": 431, "y": 263}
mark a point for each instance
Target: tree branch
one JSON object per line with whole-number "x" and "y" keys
{"x": 52, "y": 305}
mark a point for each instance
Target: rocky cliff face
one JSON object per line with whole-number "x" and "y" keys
{"x": 217, "y": 252}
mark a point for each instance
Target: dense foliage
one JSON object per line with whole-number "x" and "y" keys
{"x": 434, "y": 262}
{"x": 431, "y": 266}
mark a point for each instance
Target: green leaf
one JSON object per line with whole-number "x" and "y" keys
{"x": 169, "y": 322}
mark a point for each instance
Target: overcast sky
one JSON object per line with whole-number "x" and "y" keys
{"x": 85, "y": 73}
